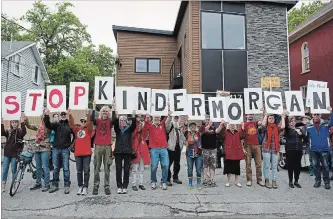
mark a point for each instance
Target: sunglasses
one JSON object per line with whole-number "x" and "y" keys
{"x": 316, "y": 114}
{"x": 83, "y": 121}
{"x": 63, "y": 114}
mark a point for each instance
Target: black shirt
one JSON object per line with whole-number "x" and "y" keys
{"x": 208, "y": 140}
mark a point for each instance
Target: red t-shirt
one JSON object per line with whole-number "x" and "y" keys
{"x": 157, "y": 135}
{"x": 82, "y": 141}
{"x": 251, "y": 133}
{"x": 103, "y": 132}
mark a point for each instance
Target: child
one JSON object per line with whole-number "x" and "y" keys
{"x": 82, "y": 151}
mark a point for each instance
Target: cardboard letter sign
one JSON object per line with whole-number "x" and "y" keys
{"x": 160, "y": 102}
{"x": 320, "y": 100}
{"x": 104, "y": 90}
{"x": 273, "y": 102}
{"x": 294, "y": 103}
{"x": 56, "y": 98}
{"x": 196, "y": 106}
{"x": 235, "y": 110}
{"x": 311, "y": 85}
{"x": 34, "y": 103}
{"x": 178, "y": 102}
{"x": 253, "y": 100}
{"x": 78, "y": 95}
{"x": 218, "y": 108}
{"x": 125, "y": 99}
{"x": 11, "y": 105}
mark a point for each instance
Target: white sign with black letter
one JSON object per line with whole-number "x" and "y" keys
{"x": 159, "y": 99}
{"x": 313, "y": 84}
{"x": 294, "y": 103}
{"x": 143, "y": 102}
{"x": 103, "y": 90}
{"x": 196, "y": 109}
{"x": 320, "y": 100}
{"x": 178, "y": 102}
{"x": 273, "y": 102}
{"x": 235, "y": 110}
{"x": 125, "y": 100}
{"x": 253, "y": 100}
{"x": 218, "y": 108}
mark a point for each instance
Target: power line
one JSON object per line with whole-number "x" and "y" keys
{"x": 20, "y": 26}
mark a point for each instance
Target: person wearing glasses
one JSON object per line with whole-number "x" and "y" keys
{"x": 320, "y": 148}
{"x": 82, "y": 150}
{"x": 60, "y": 151}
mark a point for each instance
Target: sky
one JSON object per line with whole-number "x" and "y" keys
{"x": 99, "y": 16}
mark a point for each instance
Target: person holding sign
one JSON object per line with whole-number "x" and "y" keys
{"x": 158, "y": 148}
{"x": 176, "y": 141}
{"x": 193, "y": 154}
{"x": 82, "y": 150}
{"x": 123, "y": 149}
{"x": 140, "y": 147}
{"x": 294, "y": 150}
{"x": 103, "y": 149}
{"x": 270, "y": 147}
{"x": 234, "y": 151}
{"x": 209, "y": 150}
{"x": 320, "y": 148}
{"x": 42, "y": 153}
{"x": 14, "y": 137}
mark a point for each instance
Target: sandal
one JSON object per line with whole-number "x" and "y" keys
{"x": 227, "y": 185}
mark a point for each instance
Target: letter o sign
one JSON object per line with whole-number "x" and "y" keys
{"x": 56, "y": 92}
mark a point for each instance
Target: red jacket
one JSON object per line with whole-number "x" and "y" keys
{"x": 139, "y": 145}
{"x": 232, "y": 144}
{"x": 82, "y": 137}
{"x": 157, "y": 134}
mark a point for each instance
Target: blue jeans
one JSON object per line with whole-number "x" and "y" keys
{"x": 270, "y": 160}
{"x": 42, "y": 163}
{"x": 317, "y": 159}
{"x": 159, "y": 155}
{"x": 5, "y": 167}
{"x": 63, "y": 155}
{"x": 197, "y": 161}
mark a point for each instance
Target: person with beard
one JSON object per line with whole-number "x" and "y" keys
{"x": 103, "y": 147}
{"x": 14, "y": 137}
{"x": 320, "y": 148}
{"x": 123, "y": 151}
{"x": 252, "y": 148}
{"x": 176, "y": 141}
{"x": 270, "y": 147}
{"x": 60, "y": 150}
{"x": 141, "y": 150}
{"x": 82, "y": 150}
{"x": 209, "y": 150}
{"x": 158, "y": 148}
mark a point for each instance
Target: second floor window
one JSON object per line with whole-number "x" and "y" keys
{"x": 147, "y": 65}
{"x": 15, "y": 64}
{"x": 35, "y": 74}
{"x": 305, "y": 58}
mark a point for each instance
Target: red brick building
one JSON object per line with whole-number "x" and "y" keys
{"x": 311, "y": 51}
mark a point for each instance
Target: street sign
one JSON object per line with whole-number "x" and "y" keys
{"x": 270, "y": 82}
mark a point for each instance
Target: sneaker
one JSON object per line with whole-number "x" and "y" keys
{"x": 135, "y": 188}
{"x": 317, "y": 184}
{"x": 198, "y": 185}
{"x": 79, "y": 191}
{"x": 124, "y": 191}
{"x": 46, "y": 188}
{"x": 177, "y": 181}
{"x": 291, "y": 185}
{"x": 249, "y": 183}
{"x": 37, "y": 186}
{"x": 327, "y": 186}
{"x": 66, "y": 190}
{"x": 297, "y": 185}
{"x": 53, "y": 189}
{"x": 261, "y": 183}
{"x": 142, "y": 187}
{"x": 267, "y": 184}
{"x": 153, "y": 186}
{"x": 164, "y": 186}
{"x": 95, "y": 191}
{"x": 84, "y": 191}
{"x": 205, "y": 183}
{"x": 107, "y": 191}
{"x": 212, "y": 184}
{"x": 189, "y": 185}
{"x": 169, "y": 183}
{"x": 119, "y": 191}
{"x": 274, "y": 185}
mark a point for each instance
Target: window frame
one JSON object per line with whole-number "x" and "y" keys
{"x": 13, "y": 64}
{"x": 245, "y": 34}
{"x": 148, "y": 72}
{"x": 34, "y": 75}
{"x": 305, "y": 58}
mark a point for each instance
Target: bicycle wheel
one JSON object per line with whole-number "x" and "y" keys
{"x": 16, "y": 181}
{"x": 33, "y": 163}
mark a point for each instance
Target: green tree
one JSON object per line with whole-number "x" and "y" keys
{"x": 10, "y": 30}
{"x": 298, "y": 15}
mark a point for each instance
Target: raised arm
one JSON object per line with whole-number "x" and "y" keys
{"x": 89, "y": 123}
{"x": 3, "y": 131}
{"x": 219, "y": 129}
{"x": 167, "y": 122}
{"x": 47, "y": 121}
{"x": 264, "y": 120}
{"x": 134, "y": 123}
{"x": 30, "y": 126}
{"x": 71, "y": 120}
{"x": 283, "y": 121}
{"x": 93, "y": 114}
{"x": 330, "y": 124}
{"x": 23, "y": 130}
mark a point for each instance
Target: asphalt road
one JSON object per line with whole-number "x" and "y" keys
{"x": 177, "y": 201}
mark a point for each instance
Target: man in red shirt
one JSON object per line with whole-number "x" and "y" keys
{"x": 103, "y": 149}
{"x": 252, "y": 148}
{"x": 158, "y": 148}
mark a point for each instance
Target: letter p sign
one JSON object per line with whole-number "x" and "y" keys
{"x": 78, "y": 95}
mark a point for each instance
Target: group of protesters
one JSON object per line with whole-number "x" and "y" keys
{"x": 143, "y": 140}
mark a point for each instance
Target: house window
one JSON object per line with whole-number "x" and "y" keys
{"x": 147, "y": 65}
{"x": 233, "y": 31}
{"x": 35, "y": 74}
{"x": 211, "y": 5}
{"x": 305, "y": 58}
{"x": 211, "y": 26}
{"x": 15, "y": 64}
{"x": 304, "y": 90}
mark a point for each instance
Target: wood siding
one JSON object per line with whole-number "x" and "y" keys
{"x": 140, "y": 45}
